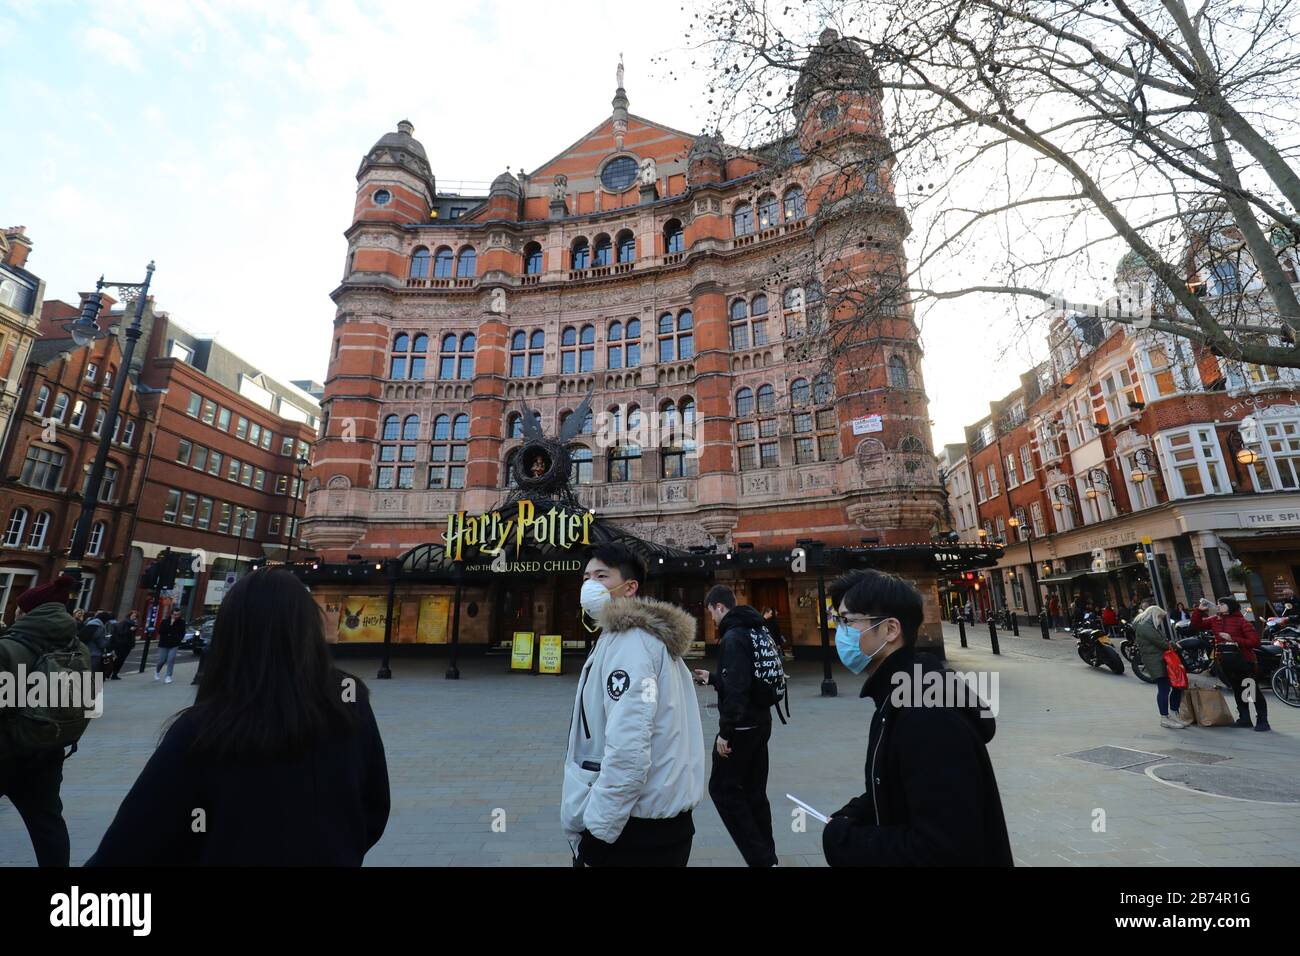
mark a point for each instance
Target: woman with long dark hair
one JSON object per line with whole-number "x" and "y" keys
{"x": 279, "y": 760}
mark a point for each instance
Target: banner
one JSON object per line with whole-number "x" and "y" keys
{"x": 330, "y": 608}
{"x": 550, "y": 658}
{"x": 361, "y": 619}
{"x": 435, "y": 615}
{"x": 521, "y": 651}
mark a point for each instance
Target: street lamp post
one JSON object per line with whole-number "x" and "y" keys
{"x": 1018, "y": 521}
{"x": 816, "y": 550}
{"x": 86, "y": 330}
{"x": 300, "y": 462}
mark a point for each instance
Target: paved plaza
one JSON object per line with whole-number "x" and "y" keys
{"x": 461, "y": 752}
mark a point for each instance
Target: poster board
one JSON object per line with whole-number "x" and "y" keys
{"x": 550, "y": 657}
{"x": 435, "y": 615}
{"x": 361, "y": 619}
{"x": 521, "y": 651}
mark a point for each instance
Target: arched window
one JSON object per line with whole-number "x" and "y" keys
{"x": 407, "y": 359}
{"x": 42, "y": 399}
{"x": 60, "y": 407}
{"x": 626, "y": 246}
{"x": 578, "y": 351}
{"x": 17, "y": 525}
{"x": 456, "y": 357}
{"x": 794, "y": 205}
{"x": 799, "y": 392}
{"x": 420, "y": 260}
{"x": 526, "y": 354}
{"x": 745, "y": 403}
{"x": 411, "y": 428}
{"x": 442, "y": 263}
{"x": 632, "y": 336}
{"x": 601, "y": 252}
{"x": 588, "y": 423}
{"x": 466, "y": 263}
{"x": 580, "y": 472}
{"x": 392, "y": 428}
{"x": 614, "y": 350}
{"x": 897, "y": 372}
{"x": 674, "y": 240}
{"x": 823, "y": 390}
{"x": 748, "y": 323}
{"x": 580, "y": 254}
{"x": 766, "y": 399}
{"x": 769, "y": 211}
{"x": 40, "y": 526}
{"x": 509, "y": 481}
{"x": 532, "y": 259}
{"x": 449, "y": 452}
{"x": 738, "y": 310}
{"x": 514, "y": 425}
{"x": 676, "y": 338}
{"x": 742, "y": 220}
{"x": 912, "y": 445}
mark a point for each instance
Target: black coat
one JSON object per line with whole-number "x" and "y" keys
{"x": 734, "y": 677}
{"x": 326, "y": 807}
{"x": 931, "y": 795}
{"x": 171, "y": 633}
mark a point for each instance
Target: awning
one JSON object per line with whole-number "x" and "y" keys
{"x": 1072, "y": 575}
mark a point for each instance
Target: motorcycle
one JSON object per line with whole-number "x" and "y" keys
{"x": 1093, "y": 645}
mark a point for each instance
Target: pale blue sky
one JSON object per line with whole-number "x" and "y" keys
{"x": 222, "y": 140}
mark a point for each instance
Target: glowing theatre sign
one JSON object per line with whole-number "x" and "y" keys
{"x": 494, "y": 530}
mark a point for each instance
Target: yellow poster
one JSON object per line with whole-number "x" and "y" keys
{"x": 830, "y": 615}
{"x": 361, "y": 619}
{"x": 521, "y": 651}
{"x": 435, "y": 612}
{"x": 550, "y": 654}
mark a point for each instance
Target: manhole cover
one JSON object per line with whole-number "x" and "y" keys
{"x": 1116, "y": 758}
{"x": 1238, "y": 783}
{"x": 1194, "y": 756}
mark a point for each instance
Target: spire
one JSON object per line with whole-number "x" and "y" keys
{"x": 620, "y": 107}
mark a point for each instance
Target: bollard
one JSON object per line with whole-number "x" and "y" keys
{"x": 1015, "y": 624}
{"x": 993, "y": 636}
{"x": 961, "y": 629}
{"x": 1042, "y": 622}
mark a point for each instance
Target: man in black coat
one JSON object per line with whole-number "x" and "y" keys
{"x": 931, "y": 797}
{"x": 124, "y": 635}
{"x": 738, "y": 783}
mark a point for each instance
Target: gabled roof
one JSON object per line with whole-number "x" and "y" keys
{"x": 604, "y": 127}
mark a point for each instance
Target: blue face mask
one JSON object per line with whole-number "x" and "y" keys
{"x": 848, "y": 642}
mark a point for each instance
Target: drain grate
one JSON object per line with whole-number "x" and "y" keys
{"x": 1117, "y": 758}
{"x": 1240, "y": 783}
{"x": 1194, "y": 756}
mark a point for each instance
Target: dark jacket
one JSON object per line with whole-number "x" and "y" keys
{"x": 735, "y": 674}
{"x": 48, "y": 627}
{"x": 124, "y": 634}
{"x": 171, "y": 633}
{"x": 1239, "y": 629}
{"x": 774, "y": 628}
{"x": 931, "y": 799}
{"x": 1152, "y": 645}
{"x": 326, "y": 807}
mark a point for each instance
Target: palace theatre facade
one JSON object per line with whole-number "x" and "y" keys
{"x": 679, "y": 283}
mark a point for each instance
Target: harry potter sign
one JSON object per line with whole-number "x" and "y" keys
{"x": 492, "y": 531}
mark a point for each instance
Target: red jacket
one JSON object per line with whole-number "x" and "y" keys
{"x": 1108, "y": 617}
{"x": 1234, "y": 625}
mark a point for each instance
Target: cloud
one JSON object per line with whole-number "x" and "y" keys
{"x": 115, "y": 49}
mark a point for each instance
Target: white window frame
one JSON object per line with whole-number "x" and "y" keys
{"x": 1269, "y": 458}
{"x": 980, "y": 487}
{"x": 1027, "y": 461}
{"x": 1036, "y": 518}
{"x": 14, "y": 538}
{"x": 1013, "y": 480}
{"x": 1213, "y": 472}
{"x": 43, "y": 527}
{"x": 1065, "y": 517}
{"x": 992, "y": 472}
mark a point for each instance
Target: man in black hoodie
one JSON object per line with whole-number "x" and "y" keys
{"x": 931, "y": 798}
{"x": 738, "y": 783}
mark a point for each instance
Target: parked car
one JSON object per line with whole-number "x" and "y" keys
{"x": 199, "y": 633}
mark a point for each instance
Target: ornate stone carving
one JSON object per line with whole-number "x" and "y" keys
{"x": 648, "y": 174}
{"x": 559, "y": 186}
{"x": 390, "y": 502}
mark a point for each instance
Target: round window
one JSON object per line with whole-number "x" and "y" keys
{"x": 619, "y": 174}
{"x": 382, "y": 196}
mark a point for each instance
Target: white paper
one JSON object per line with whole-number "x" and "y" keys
{"x": 816, "y": 815}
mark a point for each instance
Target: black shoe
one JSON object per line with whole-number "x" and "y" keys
{"x": 1243, "y": 722}
{"x": 1262, "y": 725}
{"x": 115, "y": 677}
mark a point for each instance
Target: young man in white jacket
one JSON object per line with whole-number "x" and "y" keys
{"x": 634, "y": 768}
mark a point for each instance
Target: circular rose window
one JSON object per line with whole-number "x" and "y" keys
{"x": 619, "y": 174}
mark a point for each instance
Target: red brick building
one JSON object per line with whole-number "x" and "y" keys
{"x": 638, "y": 265}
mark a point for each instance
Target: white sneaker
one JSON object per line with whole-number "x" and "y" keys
{"x": 167, "y": 680}
{"x": 1171, "y": 724}
{"x": 1184, "y": 723}
{"x": 157, "y": 675}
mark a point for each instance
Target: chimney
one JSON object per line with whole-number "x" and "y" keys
{"x": 18, "y": 246}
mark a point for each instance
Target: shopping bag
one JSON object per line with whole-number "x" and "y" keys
{"x": 1210, "y": 706}
{"x": 1187, "y": 710}
{"x": 1174, "y": 670}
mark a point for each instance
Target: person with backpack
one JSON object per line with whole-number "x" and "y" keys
{"x": 634, "y": 765}
{"x": 43, "y": 639}
{"x": 123, "y": 641}
{"x": 170, "y": 635}
{"x": 932, "y": 798}
{"x": 738, "y": 783}
{"x": 280, "y": 750}
{"x": 94, "y": 634}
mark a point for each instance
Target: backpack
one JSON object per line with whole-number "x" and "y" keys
{"x": 769, "y": 687}
{"x": 33, "y": 729}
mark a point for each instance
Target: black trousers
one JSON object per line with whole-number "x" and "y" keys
{"x": 122, "y": 651}
{"x": 738, "y": 786}
{"x": 32, "y": 785}
{"x": 1235, "y": 671}
{"x": 642, "y": 843}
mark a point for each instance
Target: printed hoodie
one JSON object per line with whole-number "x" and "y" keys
{"x": 636, "y": 743}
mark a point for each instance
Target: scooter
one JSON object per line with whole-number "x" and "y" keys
{"x": 1093, "y": 645}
